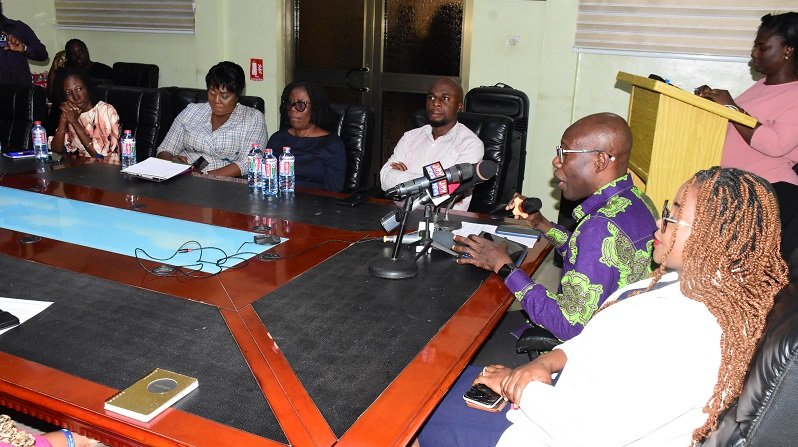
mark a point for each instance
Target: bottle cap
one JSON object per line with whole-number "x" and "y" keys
{"x": 37, "y": 123}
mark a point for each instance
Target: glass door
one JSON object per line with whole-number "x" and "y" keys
{"x": 380, "y": 53}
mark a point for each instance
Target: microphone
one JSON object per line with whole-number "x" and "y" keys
{"x": 457, "y": 173}
{"x": 390, "y": 221}
{"x": 484, "y": 170}
{"x": 531, "y": 205}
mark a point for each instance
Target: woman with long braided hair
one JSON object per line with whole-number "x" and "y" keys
{"x": 730, "y": 263}
{"x": 666, "y": 355}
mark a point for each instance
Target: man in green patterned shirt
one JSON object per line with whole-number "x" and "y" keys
{"x": 609, "y": 248}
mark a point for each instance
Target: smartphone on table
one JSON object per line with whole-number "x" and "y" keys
{"x": 481, "y": 397}
{"x": 19, "y": 154}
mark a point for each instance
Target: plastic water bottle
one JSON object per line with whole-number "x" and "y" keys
{"x": 128, "y": 148}
{"x": 287, "y": 176}
{"x": 39, "y": 136}
{"x": 254, "y": 175}
{"x": 269, "y": 173}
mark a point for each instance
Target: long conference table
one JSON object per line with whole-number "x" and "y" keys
{"x": 308, "y": 349}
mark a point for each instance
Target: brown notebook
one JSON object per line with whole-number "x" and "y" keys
{"x": 151, "y": 395}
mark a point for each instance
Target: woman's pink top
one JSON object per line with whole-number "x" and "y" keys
{"x": 774, "y": 146}
{"x": 101, "y": 123}
{"x": 40, "y": 442}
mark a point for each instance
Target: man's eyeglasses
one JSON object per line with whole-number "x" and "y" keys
{"x": 666, "y": 218}
{"x": 299, "y": 106}
{"x": 561, "y": 153}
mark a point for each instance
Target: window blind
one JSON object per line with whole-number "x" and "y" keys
{"x": 171, "y": 16}
{"x": 709, "y": 28}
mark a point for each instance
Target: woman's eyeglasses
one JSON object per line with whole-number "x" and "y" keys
{"x": 666, "y": 218}
{"x": 562, "y": 151}
{"x": 299, "y": 106}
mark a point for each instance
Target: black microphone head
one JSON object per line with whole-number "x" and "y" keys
{"x": 531, "y": 205}
{"x": 487, "y": 169}
{"x": 460, "y": 172}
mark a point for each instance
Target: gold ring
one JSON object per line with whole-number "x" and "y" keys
{"x": 484, "y": 369}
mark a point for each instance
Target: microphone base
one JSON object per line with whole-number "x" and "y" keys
{"x": 448, "y": 225}
{"x": 390, "y": 268}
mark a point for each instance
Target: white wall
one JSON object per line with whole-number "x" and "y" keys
{"x": 563, "y": 85}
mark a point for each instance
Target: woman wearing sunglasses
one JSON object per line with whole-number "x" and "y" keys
{"x": 306, "y": 121}
{"x": 665, "y": 356}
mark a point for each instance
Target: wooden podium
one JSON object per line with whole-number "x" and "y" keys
{"x": 675, "y": 134}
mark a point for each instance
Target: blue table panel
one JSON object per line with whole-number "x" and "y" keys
{"x": 124, "y": 231}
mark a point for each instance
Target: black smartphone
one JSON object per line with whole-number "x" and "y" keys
{"x": 200, "y": 164}
{"x": 7, "y": 320}
{"x": 354, "y": 200}
{"x": 481, "y": 396}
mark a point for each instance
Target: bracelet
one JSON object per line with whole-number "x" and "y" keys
{"x": 505, "y": 271}
{"x": 69, "y": 438}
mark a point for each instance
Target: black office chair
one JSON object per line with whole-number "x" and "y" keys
{"x": 495, "y": 132}
{"x": 765, "y": 411}
{"x": 140, "y": 110}
{"x": 536, "y": 341}
{"x": 354, "y": 125}
{"x": 135, "y": 75}
{"x": 20, "y": 106}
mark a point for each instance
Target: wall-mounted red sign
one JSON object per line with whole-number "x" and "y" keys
{"x": 256, "y": 69}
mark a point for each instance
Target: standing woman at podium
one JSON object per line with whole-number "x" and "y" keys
{"x": 770, "y": 149}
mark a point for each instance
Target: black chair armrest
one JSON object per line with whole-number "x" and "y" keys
{"x": 536, "y": 339}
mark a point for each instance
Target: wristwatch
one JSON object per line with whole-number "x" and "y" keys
{"x": 505, "y": 271}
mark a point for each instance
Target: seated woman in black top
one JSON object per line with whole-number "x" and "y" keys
{"x": 306, "y": 119}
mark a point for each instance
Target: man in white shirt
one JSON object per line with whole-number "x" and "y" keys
{"x": 443, "y": 139}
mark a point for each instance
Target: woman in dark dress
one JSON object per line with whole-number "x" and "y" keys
{"x": 307, "y": 122}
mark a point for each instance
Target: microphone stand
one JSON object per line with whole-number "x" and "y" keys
{"x": 427, "y": 239}
{"x": 393, "y": 267}
{"x": 448, "y": 225}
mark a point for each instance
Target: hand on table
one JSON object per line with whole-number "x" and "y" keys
{"x": 481, "y": 252}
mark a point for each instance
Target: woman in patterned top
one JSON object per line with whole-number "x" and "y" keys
{"x": 85, "y": 128}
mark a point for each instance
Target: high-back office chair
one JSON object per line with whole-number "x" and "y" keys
{"x": 135, "y": 75}
{"x": 20, "y": 106}
{"x": 140, "y": 110}
{"x": 495, "y": 132}
{"x": 180, "y": 97}
{"x": 354, "y": 125}
{"x": 764, "y": 414}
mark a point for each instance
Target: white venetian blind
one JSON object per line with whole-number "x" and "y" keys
{"x": 169, "y": 16}
{"x": 710, "y": 28}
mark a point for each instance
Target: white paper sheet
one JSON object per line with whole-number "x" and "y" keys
{"x": 473, "y": 228}
{"x": 22, "y": 309}
{"x": 155, "y": 168}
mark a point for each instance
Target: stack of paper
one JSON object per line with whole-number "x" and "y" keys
{"x": 156, "y": 169}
